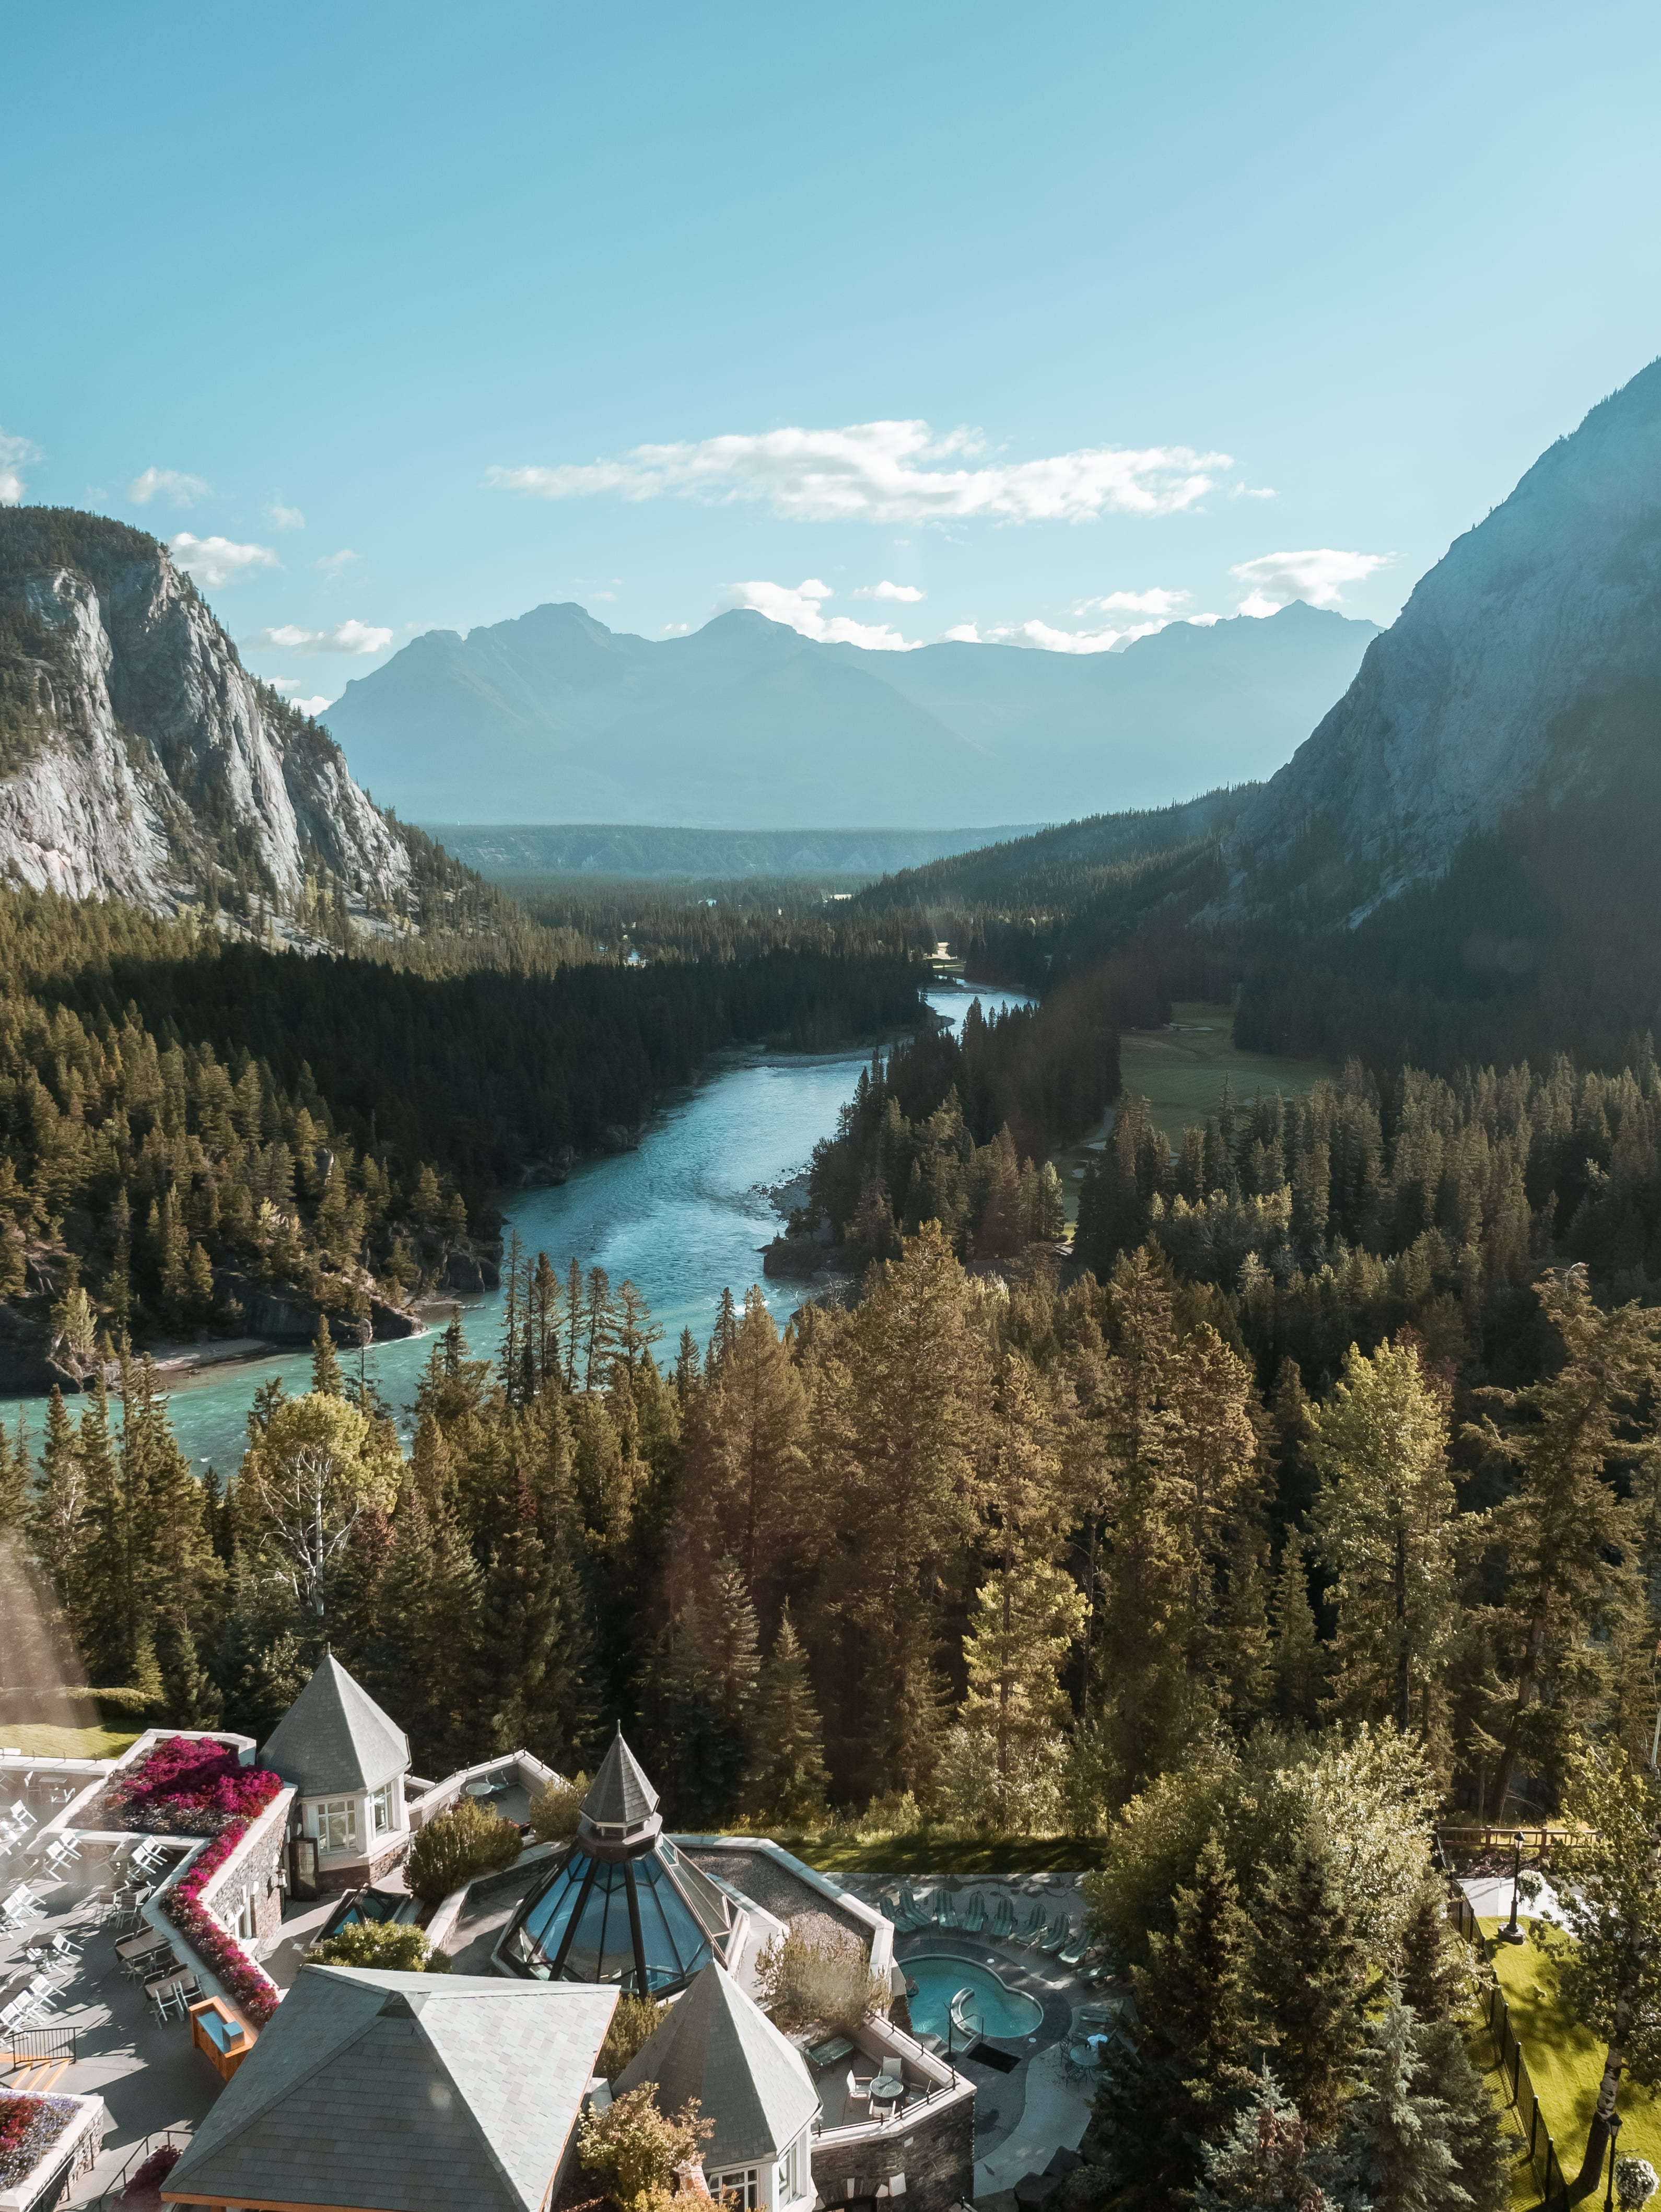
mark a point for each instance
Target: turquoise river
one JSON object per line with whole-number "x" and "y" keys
{"x": 684, "y": 1216}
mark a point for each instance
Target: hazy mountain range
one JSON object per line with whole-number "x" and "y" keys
{"x": 745, "y": 724}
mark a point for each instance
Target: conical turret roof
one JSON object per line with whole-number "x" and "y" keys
{"x": 334, "y": 1740}
{"x": 718, "y": 2046}
{"x": 619, "y": 1796}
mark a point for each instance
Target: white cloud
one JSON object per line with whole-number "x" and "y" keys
{"x": 1050, "y": 640}
{"x": 1157, "y": 602}
{"x": 181, "y": 489}
{"x": 1315, "y": 575}
{"x": 13, "y": 452}
{"x": 801, "y": 608}
{"x": 286, "y": 518}
{"x": 962, "y": 634}
{"x": 908, "y": 594}
{"x": 332, "y": 563}
{"x": 293, "y": 689}
{"x": 1253, "y": 491}
{"x": 352, "y": 636}
{"x": 216, "y": 560}
{"x": 889, "y": 472}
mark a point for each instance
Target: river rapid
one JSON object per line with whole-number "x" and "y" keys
{"x": 684, "y": 1216}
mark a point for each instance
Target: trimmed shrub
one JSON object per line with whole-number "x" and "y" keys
{"x": 801, "y": 1983}
{"x": 393, "y": 1946}
{"x": 457, "y": 1846}
{"x": 553, "y": 1815}
{"x": 632, "y": 2149}
{"x": 632, "y": 2023}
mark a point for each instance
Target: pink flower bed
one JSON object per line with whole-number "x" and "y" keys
{"x": 186, "y": 1787}
{"x": 253, "y": 1989}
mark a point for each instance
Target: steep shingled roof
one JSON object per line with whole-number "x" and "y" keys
{"x": 408, "y": 2092}
{"x": 619, "y": 1796}
{"x": 334, "y": 1740}
{"x": 719, "y": 2047}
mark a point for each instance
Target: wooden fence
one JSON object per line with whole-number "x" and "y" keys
{"x": 1540, "y": 2151}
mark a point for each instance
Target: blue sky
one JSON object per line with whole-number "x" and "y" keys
{"x": 373, "y": 310}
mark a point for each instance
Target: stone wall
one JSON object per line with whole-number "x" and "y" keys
{"x": 254, "y": 1867}
{"x": 928, "y": 2162}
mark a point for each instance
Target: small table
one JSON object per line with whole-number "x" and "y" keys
{"x": 887, "y": 2089}
{"x": 217, "y": 2033}
{"x": 830, "y": 2052}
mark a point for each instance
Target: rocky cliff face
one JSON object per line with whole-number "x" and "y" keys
{"x": 138, "y": 759}
{"x": 1525, "y": 668}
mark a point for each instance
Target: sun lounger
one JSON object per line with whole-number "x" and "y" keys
{"x": 1002, "y": 1924}
{"x": 946, "y": 1908}
{"x": 1032, "y": 1927}
{"x": 1073, "y": 1954}
{"x": 1056, "y": 1934}
{"x": 974, "y": 1920}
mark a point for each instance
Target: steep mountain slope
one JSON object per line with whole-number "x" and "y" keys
{"x": 745, "y": 724}
{"x": 1524, "y": 675}
{"x": 138, "y": 758}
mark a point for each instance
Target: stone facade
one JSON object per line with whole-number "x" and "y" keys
{"x": 928, "y": 2162}
{"x": 251, "y": 1880}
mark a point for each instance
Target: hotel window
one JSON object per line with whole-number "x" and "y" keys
{"x": 740, "y": 2186}
{"x": 787, "y": 2186}
{"x": 337, "y": 1825}
{"x": 381, "y": 1809}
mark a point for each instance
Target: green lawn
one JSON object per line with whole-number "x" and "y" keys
{"x": 924, "y": 1853}
{"x": 1180, "y": 1071}
{"x": 96, "y": 1742}
{"x": 1564, "y": 2062}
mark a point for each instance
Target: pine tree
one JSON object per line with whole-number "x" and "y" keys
{"x": 14, "y": 1487}
{"x": 425, "y": 1666}
{"x": 1195, "y": 2035}
{"x": 1567, "y": 1533}
{"x": 326, "y": 1367}
{"x": 532, "y": 1648}
{"x": 1311, "y": 1976}
{"x": 59, "y": 1511}
{"x": 1298, "y": 1658}
{"x": 787, "y": 1778}
{"x": 1394, "y": 2152}
{"x": 1386, "y": 1526}
{"x": 1264, "y": 2161}
{"x": 1482, "y": 2159}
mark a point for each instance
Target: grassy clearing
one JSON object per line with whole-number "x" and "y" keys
{"x": 924, "y": 1850}
{"x": 1180, "y": 1071}
{"x": 96, "y": 1742}
{"x": 1566, "y": 2063}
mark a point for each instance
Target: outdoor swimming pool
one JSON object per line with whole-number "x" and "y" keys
{"x": 990, "y": 2009}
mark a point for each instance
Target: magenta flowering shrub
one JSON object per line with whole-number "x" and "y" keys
{"x": 144, "y": 2186}
{"x": 194, "y": 1787}
{"x": 184, "y": 1787}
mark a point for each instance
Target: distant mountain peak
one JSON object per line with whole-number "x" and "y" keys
{"x": 1525, "y": 665}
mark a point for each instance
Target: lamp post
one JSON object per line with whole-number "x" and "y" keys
{"x": 1615, "y": 2133}
{"x": 1512, "y": 1933}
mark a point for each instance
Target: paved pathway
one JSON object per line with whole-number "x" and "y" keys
{"x": 1490, "y": 1900}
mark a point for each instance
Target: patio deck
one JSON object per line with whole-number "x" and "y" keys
{"x": 144, "y": 2070}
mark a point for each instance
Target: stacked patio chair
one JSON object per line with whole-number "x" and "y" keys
{"x": 147, "y": 1858}
{"x": 973, "y": 1919}
{"x": 170, "y": 1993}
{"x": 63, "y": 1854}
{"x": 19, "y": 1909}
{"x": 1001, "y": 1926}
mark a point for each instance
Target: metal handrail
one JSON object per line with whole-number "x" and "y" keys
{"x": 110, "y": 2199}
{"x": 28, "y": 2046}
